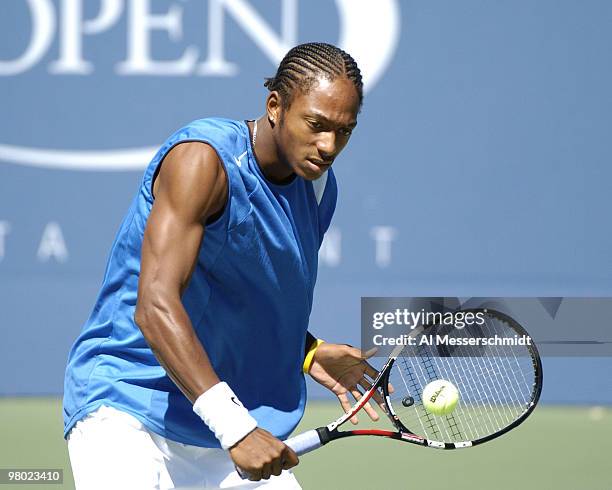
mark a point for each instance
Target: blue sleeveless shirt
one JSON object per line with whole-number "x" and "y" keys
{"x": 249, "y": 300}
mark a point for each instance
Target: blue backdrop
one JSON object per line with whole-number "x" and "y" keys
{"x": 480, "y": 166}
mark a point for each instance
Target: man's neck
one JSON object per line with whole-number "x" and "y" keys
{"x": 267, "y": 155}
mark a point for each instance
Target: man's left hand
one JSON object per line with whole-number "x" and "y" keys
{"x": 344, "y": 369}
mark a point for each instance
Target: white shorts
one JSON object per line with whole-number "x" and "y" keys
{"x": 110, "y": 449}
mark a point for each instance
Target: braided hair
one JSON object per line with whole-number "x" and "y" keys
{"x": 305, "y": 63}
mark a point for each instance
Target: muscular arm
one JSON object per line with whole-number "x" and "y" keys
{"x": 190, "y": 188}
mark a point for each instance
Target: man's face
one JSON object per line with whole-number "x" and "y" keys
{"x": 317, "y": 126}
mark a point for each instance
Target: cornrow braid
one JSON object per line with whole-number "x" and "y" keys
{"x": 304, "y": 63}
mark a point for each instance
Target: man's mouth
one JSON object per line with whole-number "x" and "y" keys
{"x": 320, "y": 163}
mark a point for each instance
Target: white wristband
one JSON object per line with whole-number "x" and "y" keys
{"x": 221, "y": 410}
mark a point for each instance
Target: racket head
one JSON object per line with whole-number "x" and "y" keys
{"x": 499, "y": 386}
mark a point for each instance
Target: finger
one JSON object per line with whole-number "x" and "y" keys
{"x": 358, "y": 396}
{"x": 370, "y": 371}
{"x": 344, "y": 402}
{"x": 266, "y": 471}
{"x": 366, "y": 385}
{"x": 290, "y": 459}
{"x": 369, "y": 353}
{"x": 346, "y": 406}
{"x": 356, "y": 353}
{"x": 367, "y": 406}
{"x": 244, "y": 474}
{"x": 277, "y": 465}
{"x": 254, "y": 475}
{"x": 373, "y": 414}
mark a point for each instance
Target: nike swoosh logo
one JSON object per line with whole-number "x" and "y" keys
{"x": 238, "y": 160}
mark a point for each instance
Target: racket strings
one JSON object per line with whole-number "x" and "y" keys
{"x": 521, "y": 390}
{"x": 412, "y": 394}
{"x": 496, "y": 384}
{"x": 528, "y": 386}
{"x": 430, "y": 374}
{"x": 431, "y": 369}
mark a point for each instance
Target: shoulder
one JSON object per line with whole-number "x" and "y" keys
{"x": 192, "y": 157}
{"x": 192, "y": 164}
{"x": 192, "y": 175}
{"x": 217, "y": 131}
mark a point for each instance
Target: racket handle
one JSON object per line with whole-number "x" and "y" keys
{"x": 305, "y": 442}
{"x": 301, "y": 444}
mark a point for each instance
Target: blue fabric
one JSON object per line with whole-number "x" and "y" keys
{"x": 249, "y": 300}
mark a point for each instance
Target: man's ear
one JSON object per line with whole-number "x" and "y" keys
{"x": 273, "y": 107}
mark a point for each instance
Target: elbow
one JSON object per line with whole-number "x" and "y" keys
{"x": 144, "y": 317}
{"x": 140, "y": 316}
{"x": 148, "y": 317}
{"x": 143, "y": 322}
{"x": 143, "y": 312}
{"x": 157, "y": 315}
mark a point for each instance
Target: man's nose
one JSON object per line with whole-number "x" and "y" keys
{"x": 326, "y": 144}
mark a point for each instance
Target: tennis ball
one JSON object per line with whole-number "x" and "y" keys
{"x": 440, "y": 397}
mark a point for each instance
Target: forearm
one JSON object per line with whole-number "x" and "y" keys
{"x": 170, "y": 334}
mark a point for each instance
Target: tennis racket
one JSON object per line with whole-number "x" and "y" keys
{"x": 499, "y": 387}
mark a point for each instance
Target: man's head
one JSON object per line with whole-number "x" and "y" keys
{"x": 313, "y": 105}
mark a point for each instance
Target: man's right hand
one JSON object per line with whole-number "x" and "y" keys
{"x": 261, "y": 455}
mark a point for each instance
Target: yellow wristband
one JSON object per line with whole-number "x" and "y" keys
{"x": 310, "y": 355}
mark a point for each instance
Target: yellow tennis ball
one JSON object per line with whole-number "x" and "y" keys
{"x": 440, "y": 397}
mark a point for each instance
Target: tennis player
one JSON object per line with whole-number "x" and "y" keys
{"x": 192, "y": 360}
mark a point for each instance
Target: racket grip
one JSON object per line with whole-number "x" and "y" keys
{"x": 305, "y": 442}
{"x": 301, "y": 444}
